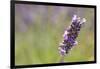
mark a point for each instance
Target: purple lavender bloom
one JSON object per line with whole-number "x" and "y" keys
{"x": 70, "y": 35}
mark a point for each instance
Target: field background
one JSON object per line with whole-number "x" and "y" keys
{"x": 39, "y": 29}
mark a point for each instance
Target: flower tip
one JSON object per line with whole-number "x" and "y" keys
{"x": 74, "y": 18}
{"x": 84, "y": 20}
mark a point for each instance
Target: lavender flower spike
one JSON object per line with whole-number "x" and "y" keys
{"x": 70, "y": 35}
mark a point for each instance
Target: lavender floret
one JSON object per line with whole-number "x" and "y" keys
{"x": 70, "y": 35}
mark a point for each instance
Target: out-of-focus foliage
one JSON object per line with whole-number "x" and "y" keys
{"x": 39, "y": 29}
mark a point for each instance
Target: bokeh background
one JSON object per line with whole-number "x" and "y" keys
{"x": 39, "y": 30}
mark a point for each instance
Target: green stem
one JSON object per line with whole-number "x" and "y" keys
{"x": 62, "y": 59}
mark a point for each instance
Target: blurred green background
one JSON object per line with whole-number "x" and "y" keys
{"x": 39, "y": 30}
